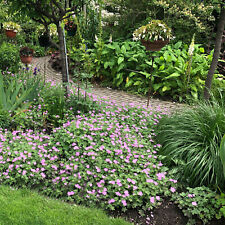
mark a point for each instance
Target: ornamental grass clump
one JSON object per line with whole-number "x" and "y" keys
{"x": 153, "y": 31}
{"x": 191, "y": 142}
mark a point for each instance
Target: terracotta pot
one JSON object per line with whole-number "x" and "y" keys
{"x": 26, "y": 59}
{"x": 155, "y": 45}
{"x": 10, "y": 33}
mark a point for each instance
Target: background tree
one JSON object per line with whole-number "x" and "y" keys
{"x": 216, "y": 54}
{"x": 47, "y": 12}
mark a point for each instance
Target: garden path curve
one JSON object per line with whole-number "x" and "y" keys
{"x": 116, "y": 96}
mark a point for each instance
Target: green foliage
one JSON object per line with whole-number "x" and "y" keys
{"x": 220, "y": 202}
{"x": 23, "y": 207}
{"x": 190, "y": 16}
{"x": 9, "y": 57}
{"x": 53, "y": 103}
{"x": 98, "y": 159}
{"x": 17, "y": 91}
{"x": 199, "y": 201}
{"x": 5, "y": 119}
{"x": 170, "y": 75}
{"x": 222, "y": 153}
{"x": 115, "y": 58}
{"x": 191, "y": 143}
{"x": 125, "y": 65}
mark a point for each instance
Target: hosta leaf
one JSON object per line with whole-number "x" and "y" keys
{"x": 202, "y": 50}
{"x": 165, "y": 88}
{"x": 194, "y": 94}
{"x": 137, "y": 83}
{"x": 145, "y": 74}
{"x": 172, "y": 75}
{"x": 120, "y": 60}
{"x": 157, "y": 86}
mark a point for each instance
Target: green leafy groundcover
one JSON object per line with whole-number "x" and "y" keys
{"x": 107, "y": 159}
{"x": 23, "y": 207}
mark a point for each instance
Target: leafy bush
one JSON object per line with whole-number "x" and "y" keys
{"x": 199, "y": 201}
{"x": 52, "y": 103}
{"x": 198, "y": 17}
{"x": 126, "y": 65}
{"x": 191, "y": 142}
{"x": 9, "y": 57}
{"x": 4, "y": 119}
{"x": 220, "y": 202}
{"x": 115, "y": 58}
{"x": 103, "y": 159}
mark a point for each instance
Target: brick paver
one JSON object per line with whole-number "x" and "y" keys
{"x": 116, "y": 96}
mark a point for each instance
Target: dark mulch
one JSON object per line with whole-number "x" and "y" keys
{"x": 167, "y": 214}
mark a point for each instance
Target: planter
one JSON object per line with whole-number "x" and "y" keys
{"x": 10, "y": 33}
{"x": 26, "y": 59}
{"x": 154, "y": 46}
{"x": 44, "y": 40}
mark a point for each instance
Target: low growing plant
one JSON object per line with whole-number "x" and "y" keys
{"x": 197, "y": 202}
{"x": 220, "y": 202}
{"x": 9, "y": 57}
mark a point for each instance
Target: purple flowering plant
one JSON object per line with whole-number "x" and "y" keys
{"x": 104, "y": 157}
{"x": 199, "y": 201}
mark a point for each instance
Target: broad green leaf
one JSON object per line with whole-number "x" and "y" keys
{"x": 120, "y": 60}
{"x": 123, "y": 49}
{"x": 157, "y": 86}
{"x": 147, "y": 75}
{"x": 194, "y": 88}
{"x": 132, "y": 59}
{"x": 131, "y": 74}
{"x": 129, "y": 83}
{"x": 202, "y": 50}
{"x": 172, "y": 75}
{"x": 178, "y": 45}
{"x": 106, "y": 64}
{"x": 137, "y": 83}
{"x": 162, "y": 67}
{"x": 194, "y": 94}
{"x": 165, "y": 88}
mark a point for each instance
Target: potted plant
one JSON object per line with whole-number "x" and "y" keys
{"x": 71, "y": 28}
{"x": 154, "y": 35}
{"x": 26, "y": 55}
{"x": 11, "y": 28}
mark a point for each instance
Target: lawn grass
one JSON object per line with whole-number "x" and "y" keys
{"x": 23, "y": 207}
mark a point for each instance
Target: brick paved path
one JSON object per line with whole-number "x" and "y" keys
{"x": 116, "y": 96}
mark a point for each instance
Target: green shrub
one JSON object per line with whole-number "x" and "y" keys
{"x": 9, "y": 57}
{"x": 53, "y": 103}
{"x": 191, "y": 142}
{"x": 4, "y": 119}
{"x": 126, "y": 65}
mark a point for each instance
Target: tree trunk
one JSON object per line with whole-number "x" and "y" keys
{"x": 62, "y": 53}
{"x": 216, "y": 54}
